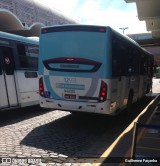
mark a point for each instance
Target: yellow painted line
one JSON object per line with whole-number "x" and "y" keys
{"x": 128, "y": 154}
{"x": 143, "y": 147}
{"x": 112, "y": 146}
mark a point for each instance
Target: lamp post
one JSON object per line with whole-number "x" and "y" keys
{"x": 123, "y": 29}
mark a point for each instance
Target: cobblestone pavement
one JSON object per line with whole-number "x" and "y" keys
{"x": 43, "y": 137}
{"x": 57, "y": 137}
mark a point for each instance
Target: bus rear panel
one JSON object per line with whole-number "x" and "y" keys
{"x": 74, "y": 70}
{"x": 91, "y": 69}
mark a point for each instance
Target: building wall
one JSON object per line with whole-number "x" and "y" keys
{"x": 31, "y": 11}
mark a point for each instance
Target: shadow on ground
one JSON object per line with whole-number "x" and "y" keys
{"x": 75, "y": 134}
{"x": 8, "y": 117}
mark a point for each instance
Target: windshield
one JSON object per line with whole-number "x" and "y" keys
{"x": 91, "y": 45}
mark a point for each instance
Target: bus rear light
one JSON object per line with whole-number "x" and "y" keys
{"x": 41, "y": 87}
{"x": 103, "y": 92}
{"x": 44, "y": 30}
{"x": 70, "y": 59}
{"x": 101, "y": 29}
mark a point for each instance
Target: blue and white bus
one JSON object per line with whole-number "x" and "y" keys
{"x": 18, "y": 71}
{"x": 93, "y": 69}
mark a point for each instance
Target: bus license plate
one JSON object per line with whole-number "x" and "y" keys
{"x": 70, "y": 96}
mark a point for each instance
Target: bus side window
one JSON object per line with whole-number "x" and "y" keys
{"x": 22, "y": 55}
{"x": 120, "y": 59}
{"x": 116, "y": 58}
{"x": 0, "y": 69}
{"x": 142, "y": 64}
{"x": 0, "y": 63}
{"x": 145, "y": 64}
{"x": 133, "y": 61}
{"x": 124, "y": 58}
{"x": 28, "y": 56}
{"x": 151, "y": 66}
{"x": 33, "y": 56}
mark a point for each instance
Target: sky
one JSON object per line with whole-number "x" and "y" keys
{"x": 114, "y": 13}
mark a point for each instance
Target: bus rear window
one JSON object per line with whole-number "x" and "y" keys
{"x": 90, "y": 45}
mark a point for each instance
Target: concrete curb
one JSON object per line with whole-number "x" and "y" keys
{"x": 121, "y": 147}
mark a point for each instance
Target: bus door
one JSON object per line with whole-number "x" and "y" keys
{"x": 8, "y": 94}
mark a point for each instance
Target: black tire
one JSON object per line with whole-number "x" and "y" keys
{"x": 148, "y": 89}
{"x": 129, "y": 102}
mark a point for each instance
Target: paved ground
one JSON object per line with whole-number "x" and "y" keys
{"x": 57, "y": 137}
{"x": 17, "y": 140}
{"x": 147, "y": 144}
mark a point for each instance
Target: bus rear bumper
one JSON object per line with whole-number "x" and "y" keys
{"x": 92, "y": 107}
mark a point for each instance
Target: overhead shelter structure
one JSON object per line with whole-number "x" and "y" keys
{"x": 12, "y": 24}
{"x": 149, "y": 11}
{"x": 26, "y": 17}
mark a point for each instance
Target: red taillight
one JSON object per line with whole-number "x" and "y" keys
{"x": 70, "y": 59}
{"x": 101, "y": 30}
{"x": 44, "y": 30}
{"x": 41, "y": 87}
{"x": 103, "y": 92}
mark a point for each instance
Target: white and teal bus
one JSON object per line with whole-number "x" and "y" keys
{"x": 93, "y": 69}
{"x": 18, "y": 71}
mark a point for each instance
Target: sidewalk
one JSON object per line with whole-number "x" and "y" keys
{"x": 146, "y": 140}
{"x": 139, "y": 144}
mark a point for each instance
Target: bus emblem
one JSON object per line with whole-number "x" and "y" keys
{"x": 7, "y": 60}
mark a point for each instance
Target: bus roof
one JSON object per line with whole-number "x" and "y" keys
{"x": 18, "y": 38}
{"x": 81, "y": 27}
